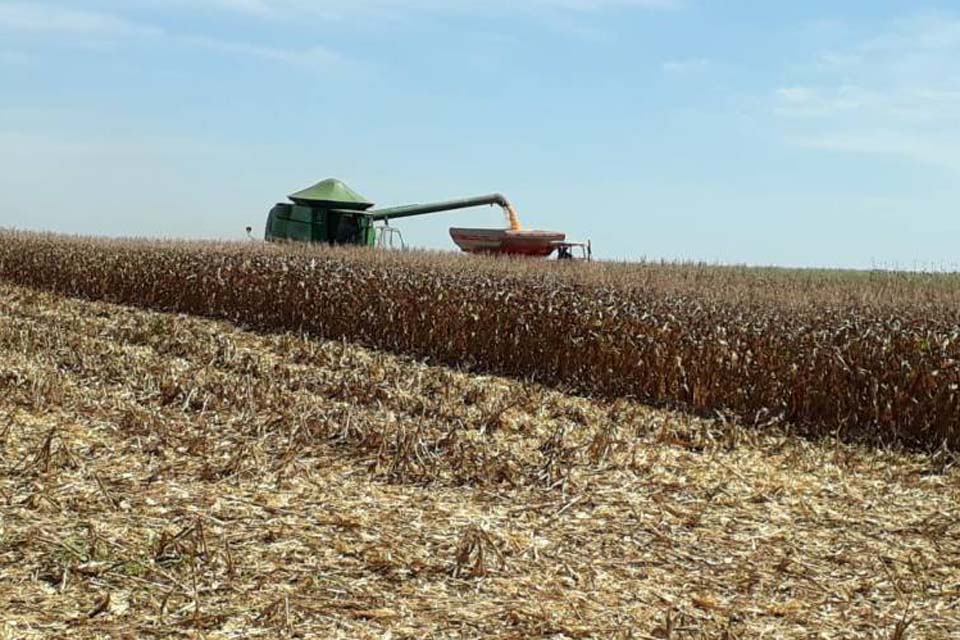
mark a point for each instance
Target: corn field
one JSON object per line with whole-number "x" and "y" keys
{"x": 873, "y": 358}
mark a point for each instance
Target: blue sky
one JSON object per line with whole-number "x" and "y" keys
{"x": 791, "y": 133}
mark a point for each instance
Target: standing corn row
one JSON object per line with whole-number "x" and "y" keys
{"x": 883, "y": 373}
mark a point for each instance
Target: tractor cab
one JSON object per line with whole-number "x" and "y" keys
{"x": 574, "y": 251}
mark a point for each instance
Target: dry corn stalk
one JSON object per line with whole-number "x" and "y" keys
{"x": 865, "y": 357}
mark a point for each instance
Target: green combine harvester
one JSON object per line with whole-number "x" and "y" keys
{"x": 330, "y": 212}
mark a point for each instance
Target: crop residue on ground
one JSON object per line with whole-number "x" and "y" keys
{"x": 165, "y": 475}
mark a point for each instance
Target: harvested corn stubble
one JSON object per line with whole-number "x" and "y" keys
{"x": 170, "y": 476}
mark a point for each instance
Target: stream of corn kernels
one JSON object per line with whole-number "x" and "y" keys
{"x": 514, "y": 218}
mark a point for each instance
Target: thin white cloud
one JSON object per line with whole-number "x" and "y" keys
{"x": 99, "y": 28}
{"x": 689, "y": 65}
{"x": 906, "y": 105}
{"x": 244, "y": 6}
{"x": 925, "y": 32}
{"x": 14, "y": 58}
{"x": 895, "y": 93}
{"x": 315, "y": 58}
{"x": 88, "y": 28}
{"x": 823, "y": 102}
{"x": 334, "y": 8}
{"x": 939, "y": 151}
{"x": 93, "y": 28}
{"x": 39, "y": 18}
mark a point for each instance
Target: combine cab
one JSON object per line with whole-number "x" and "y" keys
{"x": 331, "y": 212}
{"x": 328, "y": 212}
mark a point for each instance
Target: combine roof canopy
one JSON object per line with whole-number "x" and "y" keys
{"x": 334, "y": 193}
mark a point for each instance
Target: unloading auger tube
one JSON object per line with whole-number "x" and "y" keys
{"x": 406, "y": 211}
